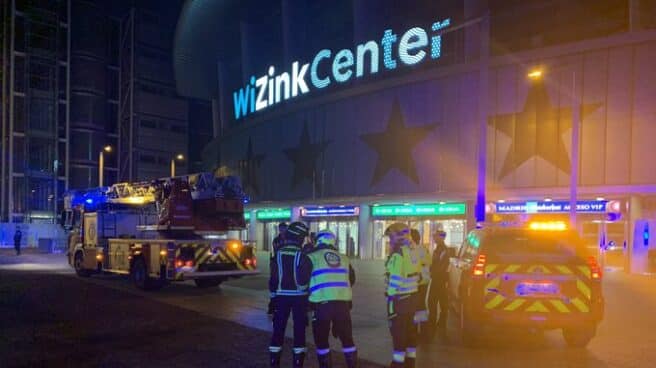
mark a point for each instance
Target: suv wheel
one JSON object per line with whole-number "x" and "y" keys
{"x": 579, "y": 337}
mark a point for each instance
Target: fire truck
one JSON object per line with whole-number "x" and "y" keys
{"x": 169, "y": 229}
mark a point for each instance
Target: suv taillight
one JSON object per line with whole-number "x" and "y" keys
{"x": 595, "y": 269}
{"x": 479, "y": 266}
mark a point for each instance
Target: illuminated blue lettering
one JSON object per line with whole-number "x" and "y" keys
{"x": 415, "y": 38}
{"x": 272, "y": 70}
{"x": 261, "y": 84}
{"x": 388, "y": 39}
{"x": 280, "y": 80}
{"x": 314, "y": 75}
{"x": 372, "y": 48}
{"x": 272, "y": 88}
{"x": 240, "y": 99}
{"x": 343, "y": 60}
{"x": 298, "y": 79}
{"x": 252, "y": 97}
{"x": 436, "y": 41}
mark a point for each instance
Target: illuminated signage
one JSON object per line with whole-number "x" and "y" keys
{"x": 274, "y": 214}
{"x": 324, "y": 211}
{"x": 247, "y": 215}
{"x": 413, "y": 47}
{"x": 428, "y": 209}
{"x": 550, "y": 207}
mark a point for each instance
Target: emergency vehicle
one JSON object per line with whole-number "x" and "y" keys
{"x": 538, "y": 277}
{"x": 169, "y": 229}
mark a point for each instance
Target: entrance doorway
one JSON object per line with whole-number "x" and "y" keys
{"x": 608, "y": 239}
{"x": 454, "y": 228}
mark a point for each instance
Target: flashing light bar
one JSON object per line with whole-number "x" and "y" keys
{"x": 548, "y": 226}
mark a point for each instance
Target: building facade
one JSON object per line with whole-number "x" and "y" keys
{"x": 353, "y": 114}
{"x": 80, "y": 75}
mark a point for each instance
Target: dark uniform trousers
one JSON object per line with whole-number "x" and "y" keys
{"x": 401, "y": 312}
{"x": 438, "y": 296}
{"x": 336, "y": 314}
{"x": 284, "y": 306}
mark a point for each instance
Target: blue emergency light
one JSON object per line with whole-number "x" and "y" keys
{"x": 645, "y": 235}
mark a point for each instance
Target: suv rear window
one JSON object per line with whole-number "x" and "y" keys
{"x": 533, "y": 244}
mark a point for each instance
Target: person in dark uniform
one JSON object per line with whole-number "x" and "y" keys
{"x": 17, "y": 241}
{"x": 277, "y": 243}
{"x": 279, "y": 240}
{"x": 438, "y": 294}
{"x": 289, "y": 295}
{"x": 330, "y": 278}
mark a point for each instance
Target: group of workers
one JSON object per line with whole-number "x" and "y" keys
{"x": 314, "y": 275}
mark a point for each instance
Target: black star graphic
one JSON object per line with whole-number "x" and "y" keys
{"x": 395, "y": 145}
{"x": 305, "y": 156}
{"x": 537, "y": 130}
{"x": 248, "y": 168}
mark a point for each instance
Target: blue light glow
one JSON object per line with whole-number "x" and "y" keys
{"x": 314, "y": 76}
{"x": 388, "y": 39}
{"x": 414, "y": 39}
{"x": 342, "y": 66}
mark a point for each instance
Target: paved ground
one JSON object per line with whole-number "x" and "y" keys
{"x": 626, "y": 337}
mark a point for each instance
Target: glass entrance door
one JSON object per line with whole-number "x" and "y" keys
{"x": 454, "y": 228}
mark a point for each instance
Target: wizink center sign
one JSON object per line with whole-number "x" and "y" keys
{"x": 415, "y": 46}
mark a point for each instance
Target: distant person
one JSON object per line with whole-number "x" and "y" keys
{"x": 310, "y": 243}
{"x": 350, "y": 247}
{"x": 17, "y": 241}
{"x": 438, "y": 293}
{"x": 279, "y": 240}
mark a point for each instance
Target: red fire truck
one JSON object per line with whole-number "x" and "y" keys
{"x": 169, "y": 229}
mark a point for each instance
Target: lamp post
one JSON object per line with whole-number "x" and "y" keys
{"x": 538, "y": 74}
{"x": 178, "y": 157}
{"x": 101, "y": 163}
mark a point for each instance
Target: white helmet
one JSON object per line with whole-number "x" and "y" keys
{"x": 326, "y": 237}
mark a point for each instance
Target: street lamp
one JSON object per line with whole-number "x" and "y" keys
{"x": 101, "y": 163}
{"x": 178, "y": 157}
{"x": 538, "y": 74}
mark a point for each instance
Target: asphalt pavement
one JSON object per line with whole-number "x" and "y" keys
{"x": 199, "y": 319}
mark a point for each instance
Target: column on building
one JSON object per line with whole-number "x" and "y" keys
{"x": 364, "y": 232}
{"x": 294, "y": 33}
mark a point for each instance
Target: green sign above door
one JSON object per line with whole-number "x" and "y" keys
{"x": 424, "y": 209}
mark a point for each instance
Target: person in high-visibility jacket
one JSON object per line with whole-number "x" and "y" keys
{"x": 331, "y": 278}
{"x": 421, "y": 315}
{"x": 402, "y": 279}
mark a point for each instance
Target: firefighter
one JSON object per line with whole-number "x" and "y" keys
{"x": 289, "y": 295}
{"x": 401, "y": 292}
{"x": 331, "y": 278}
{"x": 421, "y": 316}
{"x": 438, "y": 293}
{"x": 277, "y": 243}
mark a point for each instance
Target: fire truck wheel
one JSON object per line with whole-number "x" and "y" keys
{"x": 208, "y": 283}
{"x": 140, "y": 277}
{"x": 78, "y": 263}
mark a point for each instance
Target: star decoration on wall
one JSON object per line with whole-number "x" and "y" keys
{"x": 394, "y": 146}
{"x": 537, "y": 130}
{"x": 248, "y": 168}
{"x": 304, "y": 156}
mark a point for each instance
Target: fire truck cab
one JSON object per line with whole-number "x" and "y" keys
{"x": 169, "y": 229}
